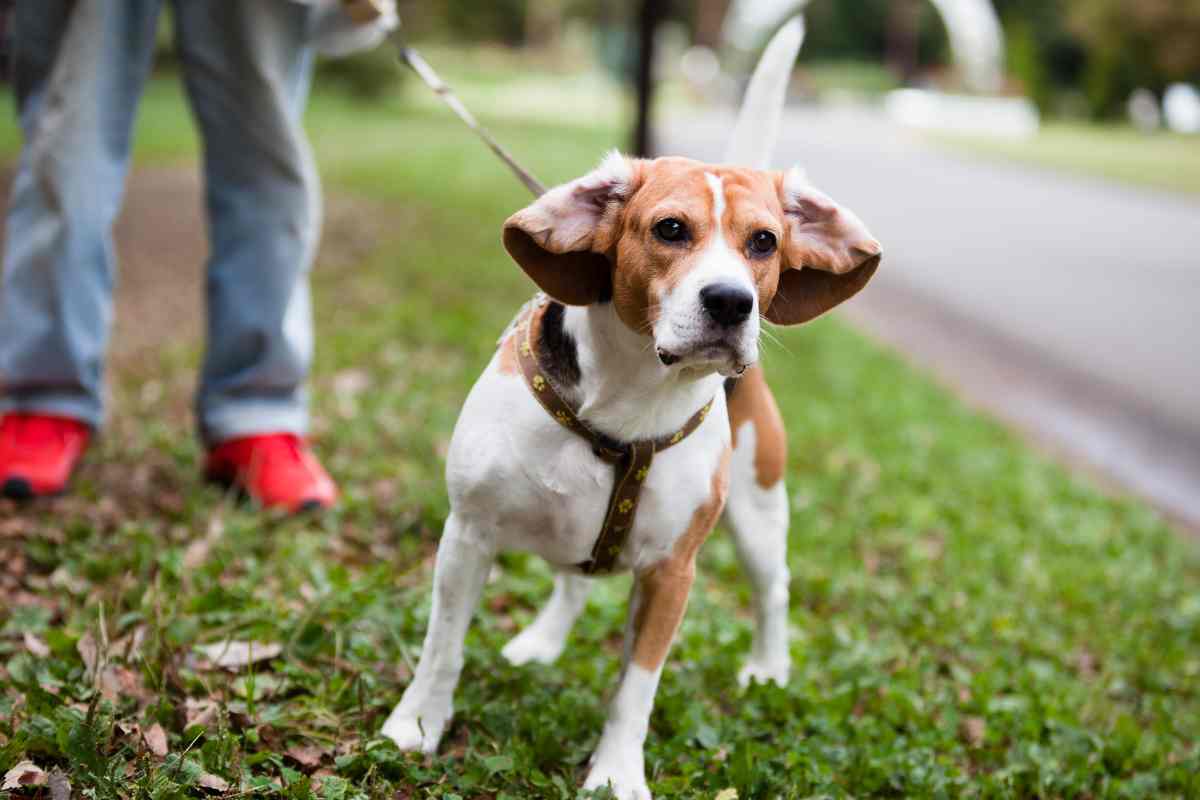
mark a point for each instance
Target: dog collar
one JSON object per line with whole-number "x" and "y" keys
{"x": 631, "y": 460}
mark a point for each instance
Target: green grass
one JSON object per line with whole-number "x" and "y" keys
{"x": 857, "y": 77}
{"x": 969, "y": 619}
{"x": 1157, "y": 161}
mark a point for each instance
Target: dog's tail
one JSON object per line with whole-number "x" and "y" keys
{"x": 757, "y": 127}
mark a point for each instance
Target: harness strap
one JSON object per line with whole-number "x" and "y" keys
{"x": 631, "y": 460}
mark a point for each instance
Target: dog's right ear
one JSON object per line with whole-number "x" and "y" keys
{"x": 562, "y": 240}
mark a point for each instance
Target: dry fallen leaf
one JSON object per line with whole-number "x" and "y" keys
{"x": 89, "y": 652}
{"x": 199, "y": 711}
{"x": 235, "y": 655}
{"x": 117, "y": 682}
{"x": 727, "y": 794}
{"x": 973, "y": 730}
{"x": 156, "y": 739}
{"x": 36, "y": 646}
{"x": 214, "y": 782}
{"x": 306, "y": 755}
{"x": 196, "y": 554}
{"x": 23, "y": 774}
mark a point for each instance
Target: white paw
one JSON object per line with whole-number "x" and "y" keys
{"x": 416, "y": 731}
{"x": 626, "y": 778}
{"x": 756, "y": 671}
{"x": 529, "y": 645}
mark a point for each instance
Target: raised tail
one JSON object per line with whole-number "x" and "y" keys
{"x": 757, "y": 128}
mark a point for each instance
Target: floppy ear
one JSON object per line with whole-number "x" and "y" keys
{"x": 562, "y": 239}
{"x": 828, "y": 256}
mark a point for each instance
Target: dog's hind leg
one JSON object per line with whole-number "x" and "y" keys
{"x": 543, "y": 641}
{"x": 757, "y": 513}
{"x": 463, "y": 561}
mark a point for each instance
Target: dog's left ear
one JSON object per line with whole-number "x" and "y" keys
{"x": 561, "y": 241}
{"x": 828, "y": 256}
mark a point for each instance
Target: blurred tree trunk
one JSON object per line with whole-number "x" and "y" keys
{"x": 649, "y": 16}
{"x": 710, "y": 17}
{"x": 903, "y": 38}
{"x": 543, "y": 23}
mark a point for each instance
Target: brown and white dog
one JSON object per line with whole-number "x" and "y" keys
{"x": 657, "y": 273}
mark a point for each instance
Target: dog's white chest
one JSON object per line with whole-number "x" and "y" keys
{"x": 548, "y": 493}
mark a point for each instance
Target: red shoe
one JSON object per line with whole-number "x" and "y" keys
{"x": 38, "y": 453}
{"x": 278, "y": 470}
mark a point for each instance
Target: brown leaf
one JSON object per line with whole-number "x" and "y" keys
{"x": 199, "y": 711}
{"x": 89, "y": 652}
{"x": 117, "y": 682}
{"x": 196, "y": 554}
{"x": 156, "y": 739}
{"x": 214, "y": 782}
{"x": 25, "y": 773}
{"x": 62, "y": 578}
{"x": 973, "y": 730}
{"x": 235, "y": 655}
{"x": 14, "y": 563}
{"x": 14, "y": 527}
{"x": 1085, "y": 663}
{"x": 306, "y": 755}
{"x": 36, "y": 646}
{"x": 350, "y": 383}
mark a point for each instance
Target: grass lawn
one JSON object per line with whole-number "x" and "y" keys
{"x": 1157, "y": 161}
{"x": 969, "y": 619}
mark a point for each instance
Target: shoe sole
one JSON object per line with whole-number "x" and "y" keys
{"x": 242, "y": 496}
{"x": 17, "y": 489}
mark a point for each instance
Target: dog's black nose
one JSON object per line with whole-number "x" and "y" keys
{"x": 726, "y": 303}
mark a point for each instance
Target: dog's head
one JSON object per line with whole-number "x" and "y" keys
{"x": 692, "y": 254}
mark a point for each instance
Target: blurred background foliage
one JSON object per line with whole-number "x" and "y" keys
{"x": 1073, "y": 58}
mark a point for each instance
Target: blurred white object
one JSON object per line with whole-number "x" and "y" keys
{"x": 977, "y": 41}
{"x": 1181, "y": 107}
{"x": 1006, "y": 117}
{"x": 747, "y": 21}
{"x": 757, "y": 126}
{"x": 340, "y": 28}
{"x": 1143, "y": 110}
{"x": 974, "y": 28}
{"x": 699, "y": 66}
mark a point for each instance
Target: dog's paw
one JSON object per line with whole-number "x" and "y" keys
{"x": 627, "y": 780}
{"x": 530, "y": 645}
{"x": 756, "y": 671}
{"x": 411, "y": 732}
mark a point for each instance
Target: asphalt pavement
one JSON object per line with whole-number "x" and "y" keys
{"x": 1068, "y": 306}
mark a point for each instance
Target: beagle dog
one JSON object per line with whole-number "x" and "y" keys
{"x": 655, "y": 276}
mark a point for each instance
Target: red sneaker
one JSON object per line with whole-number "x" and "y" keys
{"x": 278, "y": 470}
{"x": 38, "y": 453}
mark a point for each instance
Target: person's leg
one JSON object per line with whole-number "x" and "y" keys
{"x": 79, "y": 70}
{"x": 247, "y": 67}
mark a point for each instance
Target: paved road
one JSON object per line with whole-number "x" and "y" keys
{"x": 1071, "y": 306}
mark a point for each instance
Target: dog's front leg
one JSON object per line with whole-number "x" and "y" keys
{"x": 658, "y": 602}
{"x": 463, "y": 560}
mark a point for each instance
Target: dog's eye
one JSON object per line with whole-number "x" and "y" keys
{"x": 762, "y": 243}
{"x": 671, "y": 230}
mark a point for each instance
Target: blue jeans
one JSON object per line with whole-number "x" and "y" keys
{"x": 79, "y": 75}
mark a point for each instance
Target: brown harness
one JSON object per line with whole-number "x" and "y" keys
{"x": 631, "y": 460}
